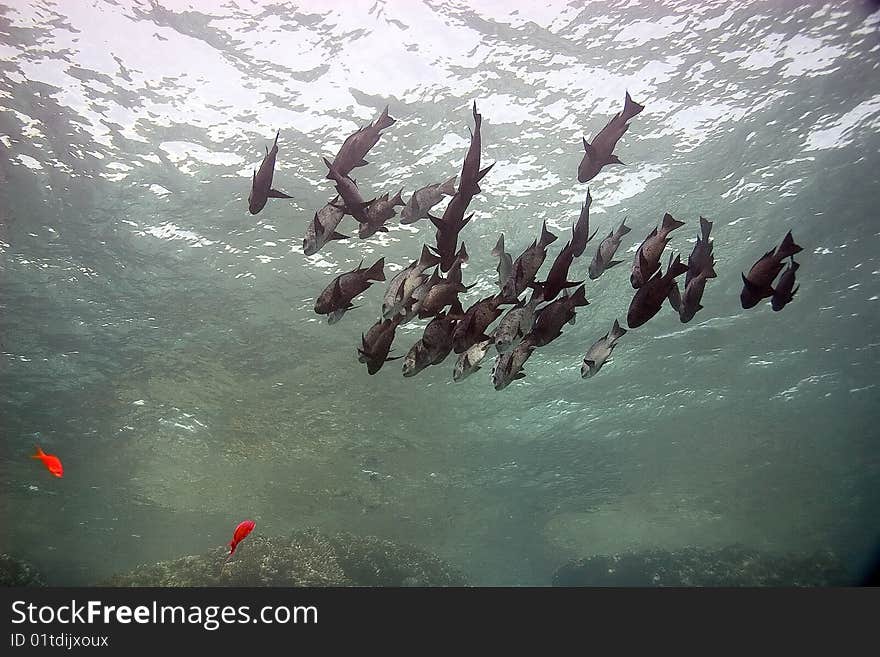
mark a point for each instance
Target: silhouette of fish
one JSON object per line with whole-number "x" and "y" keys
{"x": 600, "y": 151}
{"x": 600, "y": 351}
{"x": 422, "y": 200}
{"x": 580, "y": 234}
{"x": 322, "y": 229}
{"x": 604, "y": 258}
{"x": 785, "y": 288}
{"x": 356, "y": 146}
{"x": 261, "y": 186}
{"x": 647, "y": 258}
{"x": 649, "y": 297}
{"x": 758, "y": 283}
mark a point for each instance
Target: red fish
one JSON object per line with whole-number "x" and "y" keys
{"x": 244, "y": 528}
{"x": 52, "y": 462}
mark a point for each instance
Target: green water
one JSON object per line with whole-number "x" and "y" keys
{"x": 162, "y": 341}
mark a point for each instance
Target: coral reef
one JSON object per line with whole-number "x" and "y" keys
{"x": 306, "y": 558}
{"x": 15, "y": 572}
{"x": 729, "y": 566}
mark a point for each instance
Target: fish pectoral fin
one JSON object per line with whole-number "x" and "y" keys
{"x": 338, "y": 236}
{"x": 613, "y": 159}
{"x": 361, "y": 163}
{"x": 519, "y": 375}
{"x": 590, "y": 363}
{"x": 274, "y": 193}
{"x": 388, "y": 359}
{"x": 612, "y": 263}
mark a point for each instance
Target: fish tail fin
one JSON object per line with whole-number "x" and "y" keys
{"x": 478, "y": 118}
{"x": 630, "y": 108}
{"x": 587, "y": 201}
{"x": 546, "y": 236}
{"x": 674, "y": 297}
{"x": 275, "y": 143}
{"x": 428, "y": 259}
{"x": 376, "y": 272}
{"x": 788, "y": 248}
{"x": 398, "y": 200}
{"x": 448, "y": 187}
{"x": 705, "y": 228}
{"x": 579, "y": 298}
{"x": 676, "y": 266}
{"x": 710, "y": 272}
{"x": 623, "y": 229}
{"x": 670, "y": 224}
{"x": 616, "y": 332}
{"x": 462, "y": 255}
{"x": 498, "y": 251}
{"x": 384, "y": 120}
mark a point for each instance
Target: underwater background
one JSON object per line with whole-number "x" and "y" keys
{"x": 162, "y": 341}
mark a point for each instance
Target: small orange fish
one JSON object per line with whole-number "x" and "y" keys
{"x": 244, "y": 528}
{"x": 52, "y": 462}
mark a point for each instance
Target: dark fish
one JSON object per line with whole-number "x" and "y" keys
{"x": 557, "y": 279}
{"x": 700, "y": 258}
{"x": 447, "y": 238}
{"x": 526, "y": 266}
{"x": 785, "y": 288}
{"x": 469, "y": 361}
{"x": 455, "y": 270}
{"x": 517, "y": 322}
{"x": 472, "y": 327}
{"x": 261, "y": 187}
{"x": 649, "y": 297}
{"x": 376, "y": 344}
{"x": 471, "y": 174}
{"x": 322, "y": 229}
{"x": 438, "y": 297}
{"x": 605, "y": 253}
{"x": 355, "y": 148}
{"x": 378, "y": 213}
{"x": 580, "y": 234}
{"x": 433, "y": 347}
{"x": 688, "y": 304}
{"x": 421, "y": 202}
{"x": 552, "y": 317}
{"x": 345, "y": 287}
{"x": 601, "y": 151}
{"x": 647, "y": 259}
{"x": 414, "y": 302}
{"x": 402, "y": 285}
{"x": 600, "y": 352}
{"x": 505, "y": 261}
{"x": 355, "y": 205}
{"x": 508, "y": 366}
{"x": 757, "y": 284}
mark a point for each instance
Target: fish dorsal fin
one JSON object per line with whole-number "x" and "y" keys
{"x": 588, "y": 148}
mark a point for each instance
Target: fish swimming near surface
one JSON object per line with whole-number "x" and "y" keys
{"x": 557, "y": 279}
{"x": 439, "y": 296}
{"x": 448, "y": 228}
{"x": 604, "y": 258}
{"x": 472, "y": 327}
{"x": 454, "y": 273}
{"x": 758, "y": 283}
{"x": 471, "y": 174}
{"x": 52, "y": 462}
{"x": 647, "y": 258}
{"x": 378, "y": 213}
{"x": 552, "y": 317}
{"x": 241, "y": 531}
{"x": 433, "y": 347}
{"x": 338, "y": 295}
{"x": 469, "y": 361}
{"x": 526, "y": 266}
{"x": 413, "y": 304}
{"x": 600, "y": 351}
{"x": 505, "y": 261}
{"x": 701, "y": 267}
{"x": 402, "y": 285}
{"x": 688, "y": 304}
{"x": 261, "y": 186}
{"x": 785, "y": 288}
{"x": 509, "y": 366}
{"x": 649, "y": 297}
{"x": 700, "y": 258}
{"x": 356, "y": 146}
{"x": 422, "y": 200}
{"x": 600, "y": 151}
{"x": 353, "y": 202}
{"x": 517, "y": 322}
{"x": 322, "y": 229}
{"x": 580, "y": 233}
{"x": 376, "y": 344}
